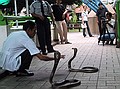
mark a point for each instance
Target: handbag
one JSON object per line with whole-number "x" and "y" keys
{"x": 84, "y": 25}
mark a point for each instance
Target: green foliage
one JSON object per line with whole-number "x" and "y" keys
{"x": 74, "y": 18}
{"x": 73, "y": 30}
{"x": 2, "y": 22}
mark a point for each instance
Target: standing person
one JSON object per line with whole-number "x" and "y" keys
{"x": 100, "y": 15}
{"x": 85, "y": 21}
{"x": 60, "y": 13}
{"x": 40, "y": 10}
{"x": 18, "y": 50}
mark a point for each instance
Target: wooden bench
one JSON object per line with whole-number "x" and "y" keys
{"x": 72, "y": 26}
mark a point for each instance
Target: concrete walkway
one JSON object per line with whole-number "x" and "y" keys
{"x": 106, "y": 58}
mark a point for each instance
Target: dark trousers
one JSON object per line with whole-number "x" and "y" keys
{"x": 26, "y": 59}
{"x": 88, "y": 29}
{"x": 100, "y": 28}
{"x": 44, "y": 34}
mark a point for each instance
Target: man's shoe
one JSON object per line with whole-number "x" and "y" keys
{"x": 44, "y": 53}
{"x": 50, "y": 51}
{"x": 84, "y": 35}
{"x": 91, "y": 36}
{"x": 117, "y": 46}
{"x": 107, "y": 42}
{"x": 24, "y": 73}
{"x": 68, "y": 43}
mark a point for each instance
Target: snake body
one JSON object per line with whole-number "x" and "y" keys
{"x": 70, "y": 82}
{"x": 84, "y": 69}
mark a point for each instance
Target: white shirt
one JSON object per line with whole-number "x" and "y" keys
{"x": 85, "y": 15}
{"x": 110, "y": 29}
{"x": 14, "y": 45}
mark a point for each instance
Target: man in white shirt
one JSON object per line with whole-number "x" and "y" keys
{"x": 18, "y": 50}
{"x": 85, "y": 22}
{"x": 110, "y": 23}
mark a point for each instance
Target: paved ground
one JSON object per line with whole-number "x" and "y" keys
{"x": 106, "y": 58}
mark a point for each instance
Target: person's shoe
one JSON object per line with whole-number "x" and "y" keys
{"x": 107, "y": 42}
{"x": 24, "y": 73}
{"x": 68, "y": 43}
{"x": 117, "y": 46}
{"x": 50, "y": 51}
{"x": 44, "y": 53}
{"x": 91, "y": 36}
{"x": 84, "y": 35}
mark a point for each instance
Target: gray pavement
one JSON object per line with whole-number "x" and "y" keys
{"x": 106, "y": 58}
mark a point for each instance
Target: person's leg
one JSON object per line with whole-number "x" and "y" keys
{"x": 112, "y": 36}
{"x": 60, "y": 30}
{"x": 41, "y": 35}
{"x": 88, "y": 29}
{"x": 26, "y": 59}
{"x": 84, "y": 32}
{"x": 111, "y": 42}
{"x": 48, "y": 35}
{"x": 100, "y": 29}
{"x": 64, "y": 25}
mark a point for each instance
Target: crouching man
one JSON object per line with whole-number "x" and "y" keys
{"x": 18, "y": 50}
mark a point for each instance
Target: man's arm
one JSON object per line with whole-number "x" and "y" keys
{"x": 38, "y": 16}
{"x": 53, "y": 18}
{"x": 47, "y": 58}
{"x": 51, "y": 12}
{"x": 64, "y": 14}
{"x": 44, "y": 57}
{"x": 110, "y": 25}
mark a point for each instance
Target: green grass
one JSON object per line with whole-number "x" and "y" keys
{"x": 74, "y": 30}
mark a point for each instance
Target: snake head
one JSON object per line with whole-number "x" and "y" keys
{"x": 75, "y": 50}
{"x": 57, "y": 55}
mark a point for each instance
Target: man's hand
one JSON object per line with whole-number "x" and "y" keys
{"x": 48, "y": 57}
{"x": 63, "y": 16}
{"x": 54, "y": 24}
{"x": 42, "y": 18}
{"x": 62, "y": 56}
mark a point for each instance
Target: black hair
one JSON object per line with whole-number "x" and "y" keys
{"x": 28, "y": 24}
{"x": 109, "y": 13}
{"x": 100, "y": 4}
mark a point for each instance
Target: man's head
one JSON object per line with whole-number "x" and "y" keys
{"x": 109, "y": 15}
{"x": 58, "y": 1}
{"x": 85, "y": 7}
{"x": 30, "y": 28}
{"x": 100, "y": 5}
